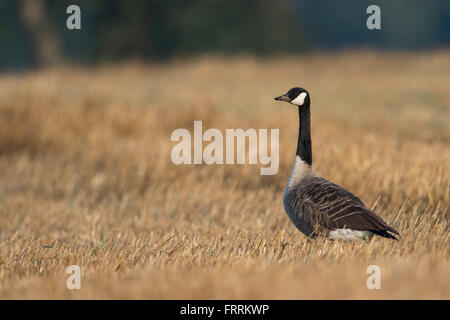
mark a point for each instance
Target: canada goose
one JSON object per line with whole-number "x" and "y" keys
{"x": 317, "y": 206}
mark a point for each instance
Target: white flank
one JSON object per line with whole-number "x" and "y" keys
{"x": 348, "y": 234}
{"x": 300, "y": 99}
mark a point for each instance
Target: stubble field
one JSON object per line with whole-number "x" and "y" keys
{"x": 86, "y": 178}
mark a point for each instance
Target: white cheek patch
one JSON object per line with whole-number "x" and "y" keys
{"x": 300, "y": 99}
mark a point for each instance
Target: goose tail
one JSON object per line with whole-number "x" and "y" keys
{"x": 386, "y": 234}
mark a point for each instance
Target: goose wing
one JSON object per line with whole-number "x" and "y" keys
{"x": 328, "y": 205}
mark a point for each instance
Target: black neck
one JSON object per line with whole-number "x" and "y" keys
{"x": 304, "y": 133}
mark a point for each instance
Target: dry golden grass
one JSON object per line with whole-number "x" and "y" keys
{"x": 86, "y": 178}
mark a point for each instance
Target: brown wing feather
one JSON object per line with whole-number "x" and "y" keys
{"x": 328, "y": 205}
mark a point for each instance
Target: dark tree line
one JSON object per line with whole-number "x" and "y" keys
{"x": 33, "y": 32}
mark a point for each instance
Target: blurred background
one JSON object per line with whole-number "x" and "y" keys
{"x": 33, "y": 32}
{"x": 86, "y": 118}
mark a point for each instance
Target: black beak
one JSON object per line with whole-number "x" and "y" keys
{"x": 284, "y": 97}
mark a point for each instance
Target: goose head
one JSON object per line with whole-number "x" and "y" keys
{"x": 296, "y": 96}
